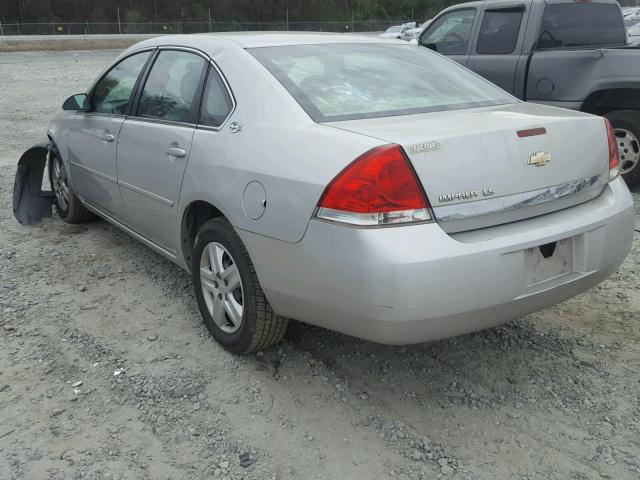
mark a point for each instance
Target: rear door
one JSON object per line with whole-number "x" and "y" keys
{"x": 498, "y": 45}
{"x": 93, "y": 135}
{"x": 450, "y": 34}
{"x": 154, "y": 144}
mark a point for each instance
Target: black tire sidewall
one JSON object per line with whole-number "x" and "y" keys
{"x": 221, "y": 231}
{"x": 629, "y": 120}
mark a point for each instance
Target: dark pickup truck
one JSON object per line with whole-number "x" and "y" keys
{"x": 571, "y": 54}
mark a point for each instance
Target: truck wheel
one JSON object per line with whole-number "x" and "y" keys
{"x": 230, "y": 299}
{"x": 626, "y": 124}
{"x": 68, "y": 205}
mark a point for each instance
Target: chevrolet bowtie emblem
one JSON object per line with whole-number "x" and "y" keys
{"x": 539, "y": 159}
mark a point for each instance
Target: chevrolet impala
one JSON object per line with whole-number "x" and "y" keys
{"x": 360, "y": 184}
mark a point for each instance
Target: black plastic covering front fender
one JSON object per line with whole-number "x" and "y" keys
{"x": 30, "y": 203}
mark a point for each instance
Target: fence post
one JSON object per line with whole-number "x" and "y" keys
{"x": 1, "y": 30}
{"x": 287, "y": 19}
{"x": 18, "y": 25}
{"x": 53, "y": 30}
{"x": 210, "y": 19}
{"x": 119, "y": 25}
{"x": 87, "y": 22}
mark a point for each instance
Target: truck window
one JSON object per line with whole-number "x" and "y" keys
{"x": 450, "y": 33}
{"x": 581, "y": 25}
{"x": 499, "y": 31}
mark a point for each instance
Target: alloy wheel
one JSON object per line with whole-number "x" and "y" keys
{"x": 628, "y": 149}
{"x": 222, "y": 287}
{"x": 60, "y": 185}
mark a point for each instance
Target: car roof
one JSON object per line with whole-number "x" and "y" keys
{"x": 479, "y": 3}
{"x": 268, "y": 39}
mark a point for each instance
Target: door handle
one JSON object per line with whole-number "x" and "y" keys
{"x": 107, "y": 137}
{"x": 176, "y": 152}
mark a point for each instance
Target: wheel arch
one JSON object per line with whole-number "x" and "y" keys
{"x": 603, "y": 101}
{"x": 194, "y": 215}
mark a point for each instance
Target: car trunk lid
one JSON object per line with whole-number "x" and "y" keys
{"x": 490, "y": 165}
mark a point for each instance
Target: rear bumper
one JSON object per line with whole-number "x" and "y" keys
{"x": 413, "y": 284}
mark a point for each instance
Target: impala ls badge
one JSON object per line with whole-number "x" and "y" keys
{"x": 539, "y": 159}
{"x": 468, "y": 195}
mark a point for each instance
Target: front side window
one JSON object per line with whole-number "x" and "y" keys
{"x": 581, "y": 25}
{"x": 170, "y": 90}
{"x": 216, "y": 103}
{"x": 499, "y": 31}
{"x": 352, "y": 81}
{"x": 449, "y": 34}
{"x": 112, "y": 93}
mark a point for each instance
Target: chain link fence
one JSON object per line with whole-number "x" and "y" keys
{"x": 88, "y": 28}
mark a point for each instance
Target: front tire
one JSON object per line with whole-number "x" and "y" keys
{"x": 68, "y": 205}
{"x": 229, "y": 296}
{"x": 626, "y": 124}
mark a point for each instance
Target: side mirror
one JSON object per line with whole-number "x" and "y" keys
{"x": 432, "y": 46}
{"x": 79, "y": 102}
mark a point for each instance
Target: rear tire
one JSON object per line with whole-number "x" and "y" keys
{"x": 229, "y": 296}
{"x": 68, "y": 205}
{"x": 626, "y": 124}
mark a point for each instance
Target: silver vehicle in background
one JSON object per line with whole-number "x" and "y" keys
{"x": 307, "y": 176}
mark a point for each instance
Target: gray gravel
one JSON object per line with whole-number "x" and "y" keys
{"x": 106, "y": 371}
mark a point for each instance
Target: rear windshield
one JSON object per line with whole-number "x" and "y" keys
{"x": 581, "y": 25}
{"x": 353, "y": 81}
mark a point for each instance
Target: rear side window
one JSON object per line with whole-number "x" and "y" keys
{"x": 581, "y": 25}
{"x": 365, "y": 80}
{"x": 171, "y": 87}
{"x": 111, "y": 94}
{"x": 499, "y": 31}
{"x": 450, "y": 33}
{"x": 216, "y": 103}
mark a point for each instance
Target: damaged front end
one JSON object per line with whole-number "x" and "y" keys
{"x": 30, "y": 202}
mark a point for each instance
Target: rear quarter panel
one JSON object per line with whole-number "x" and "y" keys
{"x": 279, "y": 146}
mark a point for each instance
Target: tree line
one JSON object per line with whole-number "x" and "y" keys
{"x": 26, "y": 11}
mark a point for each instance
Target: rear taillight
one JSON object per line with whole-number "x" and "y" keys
{"x": 378, "y": 188}
{"x": 614, "y": 159}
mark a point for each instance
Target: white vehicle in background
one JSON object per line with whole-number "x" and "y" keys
{"x": 630, "y": 12}
{"x": 414, "y": 33}
{"x": 396, "y": 31}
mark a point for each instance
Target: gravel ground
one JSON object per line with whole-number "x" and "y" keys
{"x": 106, "y": 371}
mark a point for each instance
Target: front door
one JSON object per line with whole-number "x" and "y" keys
{"x": 450, "y": 34}
{"x": 154, "y": 145}
{"x": 93, "y": 135}
{"x": 499, "y": 45}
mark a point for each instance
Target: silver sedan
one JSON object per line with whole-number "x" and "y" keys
{"x": 364, "y": 185}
